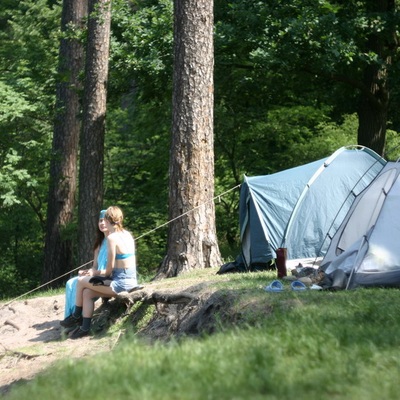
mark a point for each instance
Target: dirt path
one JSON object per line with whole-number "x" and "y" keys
{"x": 31, "y": 339}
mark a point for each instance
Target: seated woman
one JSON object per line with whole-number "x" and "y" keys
{"x": 99, "y": 264}
{"x": 121, "y": 268}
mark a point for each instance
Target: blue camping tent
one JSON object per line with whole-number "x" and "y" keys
{"x": 301, "y": 208}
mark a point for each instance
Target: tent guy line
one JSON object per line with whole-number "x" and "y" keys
{"x": 218, "y": 197}
{"x": 188, "y": 212}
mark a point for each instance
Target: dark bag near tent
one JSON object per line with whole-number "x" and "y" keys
{"x": 235, "y": 266}
{"x": 230, "y": 267}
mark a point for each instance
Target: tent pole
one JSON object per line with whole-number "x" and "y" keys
{"x": 359, "y": 258}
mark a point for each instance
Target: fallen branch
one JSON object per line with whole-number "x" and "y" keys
{"x": 24, "y": 355}
{"x": 11, "y": 323}
{"x": 19, "y": 354}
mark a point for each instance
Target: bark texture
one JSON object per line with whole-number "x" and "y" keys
{"x": 58, "y": 257}
{"x": 94, "y": 112}
{"x": 192, "y": 240}
{"x": 374, "y": 97}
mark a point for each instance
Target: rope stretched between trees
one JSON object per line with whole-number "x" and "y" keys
{"x": 187, "y": 212}
{"x": 144, "y": 234}
{"x": 45, "y": 284}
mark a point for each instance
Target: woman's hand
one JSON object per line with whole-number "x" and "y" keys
{"x": 87, "y": 272}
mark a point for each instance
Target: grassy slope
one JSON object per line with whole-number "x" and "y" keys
{"x": 290, "y": 345}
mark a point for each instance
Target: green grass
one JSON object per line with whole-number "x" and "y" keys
{"x": 308, "y": 345}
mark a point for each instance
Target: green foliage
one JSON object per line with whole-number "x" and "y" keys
{"x": 138, "y": 126}
{"x": 277, "y": 105}
{"x": 392, "y": 145}
{"x": 141, "y": 49}
{"x": 13, "y": 105}
{"x": 10, "y": 177}
{"x": 28, "y": 58}
{"x": 137, "y": 177}
{"x": 21, "y": 239}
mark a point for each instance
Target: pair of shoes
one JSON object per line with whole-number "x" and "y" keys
{"x": 77, "y": 333}
{"x": 275, "y": 286}
{"x": 67, "y": 331}
{"x": 315, "y": 287}
{"x": 298, "y": 286}
{"x": 71, "y": 321}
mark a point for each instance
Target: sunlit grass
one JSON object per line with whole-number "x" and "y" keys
{"x": 290, "y": 345}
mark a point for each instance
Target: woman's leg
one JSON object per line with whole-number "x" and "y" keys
{"x": 97, "y": 291}
{"x": 87, "y": 309}
{"x": 87, "y": 303}
{"x": 83, "y": 281}
{"x": 88, "y": 296}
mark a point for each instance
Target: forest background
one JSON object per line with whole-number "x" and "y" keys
{"x": 287, "y": 92}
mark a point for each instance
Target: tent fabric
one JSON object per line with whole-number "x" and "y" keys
{"x": 301, "y": 208}
{"x": 366, "y": 245}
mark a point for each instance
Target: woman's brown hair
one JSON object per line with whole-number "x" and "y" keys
{"x": 115, "y": 216}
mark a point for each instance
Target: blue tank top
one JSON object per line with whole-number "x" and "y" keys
{"x": 123, "y": 256}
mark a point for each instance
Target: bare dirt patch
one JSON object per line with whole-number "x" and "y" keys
{"x": 31, "y": 339}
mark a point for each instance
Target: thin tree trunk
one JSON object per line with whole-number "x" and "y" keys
{"x": 58, "y": 257}
{"x": 94, "y": 113}
{"x": 192, "y": 240}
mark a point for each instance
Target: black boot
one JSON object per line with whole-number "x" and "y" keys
{"x": 71, "y": 321}
{"x": 77, "y": 333}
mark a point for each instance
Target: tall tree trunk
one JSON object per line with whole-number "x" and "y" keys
{"x": 373, "y": 109}
{"x": 374, "y": 99}
{"x": 192, "y": 240}
{"x": 94, "y": 112}
{"x": 58, "y": 257}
